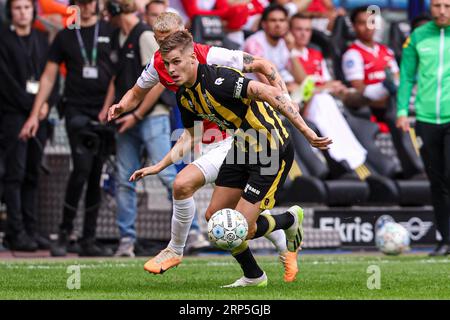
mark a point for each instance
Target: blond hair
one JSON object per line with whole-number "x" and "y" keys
{"x": 167, "y": 22}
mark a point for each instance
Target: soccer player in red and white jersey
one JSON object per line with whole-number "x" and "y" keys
{"x": 322, "y": 109}
{"x": 216, "y": 144}
{"x": 365, "y": 65}
{"x": 365, "y": 62}
{"x": 311, "y": 59}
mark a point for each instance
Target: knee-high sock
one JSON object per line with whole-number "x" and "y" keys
{"x": 183, "y": 214}
{"x": 277, "y": 237}
{"x": 244, "y": 256}
{"x": 267, "y": 223}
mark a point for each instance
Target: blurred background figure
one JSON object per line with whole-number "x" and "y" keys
{"x": 153, "y": 9}
{"x": 23, "y": 52}
{"x": 86, "y": 53}
{"x": 270, "y": 43}
{"x": 322, "y": 109}
{"x": 324, "y": 14}
{"x": 237, "y": 15}
{"x": 52, "y": 15}
{"x": 420, "y": 20}
{"x": 370, "y": 67}
{"x": 425, "y": 62}
{"x": 2, "y": 11}
{"x": 146, "y": 128}
{"x": 293, "y": 6}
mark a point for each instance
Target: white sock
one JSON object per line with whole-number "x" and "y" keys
{"x": 277, "y": 237}
{"x": 183, "y": 214}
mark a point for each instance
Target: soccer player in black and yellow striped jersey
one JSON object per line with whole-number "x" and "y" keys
{"x": 246, "y": 180}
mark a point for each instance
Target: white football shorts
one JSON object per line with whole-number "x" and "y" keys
{"x": 213, "y": 155}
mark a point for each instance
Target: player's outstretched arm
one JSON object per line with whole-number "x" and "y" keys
{"x": 150, "y": 99}
{"x": 275, "y": 97}
{"x": 265, "y": 67}
{"x": 184, "y": 144}
{"x": 129, "y": 101}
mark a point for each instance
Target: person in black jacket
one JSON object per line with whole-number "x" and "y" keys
{"x": 147, "y": 128}
{"x": 23, "y": 52}
{"x": 85, "y": 49}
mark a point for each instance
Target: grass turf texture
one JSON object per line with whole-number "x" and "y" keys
{"x": 320, "y": 277}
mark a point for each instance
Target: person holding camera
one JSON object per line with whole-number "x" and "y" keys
{"x": 148, "y": 127}
{"x": 23, "y": 51}
{"x": 85, "y": 48}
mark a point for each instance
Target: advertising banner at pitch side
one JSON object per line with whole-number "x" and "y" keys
{"x": 358, "y": 227}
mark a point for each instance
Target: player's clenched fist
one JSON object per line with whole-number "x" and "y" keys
{"x": 115, "y": 111}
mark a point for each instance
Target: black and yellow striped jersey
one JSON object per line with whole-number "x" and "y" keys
{"x": 220, "y": 96}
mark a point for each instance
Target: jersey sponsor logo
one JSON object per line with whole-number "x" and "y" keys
{"x": 377, "y": 75}
{"x": 238, "y": 87}
{"x": 223, "y": 125}
{"x": 219, "y": 81}
{"x": 349, "y": 63}
{"x": 210, "y": 105}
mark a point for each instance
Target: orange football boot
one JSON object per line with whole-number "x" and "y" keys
{"x": 163, "y": 261}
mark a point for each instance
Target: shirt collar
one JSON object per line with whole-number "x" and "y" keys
{"x": 303, "y": 53}
{"x": 375, "y": 50}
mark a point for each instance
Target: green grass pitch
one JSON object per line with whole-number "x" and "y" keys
{"x": 334, "y": 276}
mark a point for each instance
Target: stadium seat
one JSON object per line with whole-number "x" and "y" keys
{"x": 341, "y": 37}
{"x": 405, "y": 144}
{"x": 301, "y": 186}
{"x": 208, "y": 30}
{"x": 314, "y": 184}
{"x": 365, "y": 131}
{"x": 414, "y": 192}
{"x": 383, "y": 183}
{"x": 322, "y": 42}
{"x": 398, "y": 33}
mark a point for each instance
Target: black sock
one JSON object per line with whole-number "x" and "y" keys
{"x": 262, "y": 226}
{"x": 283, "y": 221}
{"x": 266, "y": 223}
{"x": 248, "y": 263}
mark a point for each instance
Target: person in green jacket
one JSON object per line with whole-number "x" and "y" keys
{"x": 426, "y": 61}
